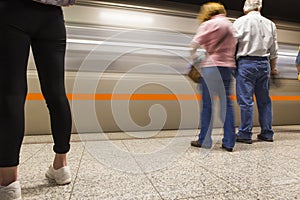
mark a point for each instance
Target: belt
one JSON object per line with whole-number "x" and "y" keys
{"x": 253, "y": 58}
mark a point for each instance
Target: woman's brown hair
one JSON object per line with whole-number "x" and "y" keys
{"x": 210, "y": 9}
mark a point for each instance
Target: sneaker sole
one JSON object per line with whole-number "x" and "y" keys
{"x": 245, "y": 141}
{"x": 260, "y": 138}
{"x": 65, "y": 182}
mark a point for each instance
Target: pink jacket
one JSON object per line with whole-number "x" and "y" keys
{"x": 209, "y": 36}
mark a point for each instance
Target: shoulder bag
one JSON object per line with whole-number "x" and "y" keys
{"x": 194, "y": 74}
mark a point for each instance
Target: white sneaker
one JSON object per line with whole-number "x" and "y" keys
{"x": 61, "y": 176}
{"x": 11, "y": 192}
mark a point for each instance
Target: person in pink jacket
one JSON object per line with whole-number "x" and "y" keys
{"x": 216, "y": 35}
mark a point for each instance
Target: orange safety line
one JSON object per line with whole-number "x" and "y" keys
{"x": 136, "y": 97}
{"x": 146, "y": 97}
{"x": 285, "y": 98}
{"x": 35, "y": 96}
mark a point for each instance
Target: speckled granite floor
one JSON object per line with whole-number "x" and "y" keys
{"x": 121, "y": 166}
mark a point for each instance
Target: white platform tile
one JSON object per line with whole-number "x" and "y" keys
{"x": 29, "y": 150}
{"x": 244, "y": 170}
{"x": 211, "y": 157}
{"x": 240, "y": 195}
{"x": 36, "y": 186}
{"x": 143, "y": 146}
{"x": 290, "y": 166}
{"x": 121, "y": 188}
{"x": 46, "y": 153}
{"x": 261, "y": 177}
{"x": 186, "y": 179}
{"x": 274, "y": 193}
{"x": 32, "y": 174}
{"x": 112, "y": 155}
{"x": 91, "y": 168}
{"x": 164, "y": 168}
{"x": 97, "y": 181}
{"x": 36, "y": 166}
{"x": 44, "y": 191}
{"x": 290, "y": 151}
{"x": 281, "y": 192}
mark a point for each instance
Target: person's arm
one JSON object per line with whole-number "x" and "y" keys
{"x": 193, "y": 51}
{"x": 298, "y": 67}
{"x": 274, "y": 70}
{"x": 197, "y": 55}
{"x": 274, "y": 52}
{"x": 196, "y": 44}
{"x": 237, "y": 33}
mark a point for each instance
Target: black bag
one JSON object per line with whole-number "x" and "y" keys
{"x": 194, "y": 74}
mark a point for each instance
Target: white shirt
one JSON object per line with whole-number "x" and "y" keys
{"x": 256, "y": 36}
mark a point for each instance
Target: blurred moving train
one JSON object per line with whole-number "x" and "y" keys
{"x": 126, "y": 66}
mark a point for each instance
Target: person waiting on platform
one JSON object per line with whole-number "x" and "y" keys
{"x": 256, "y": 61}
{"x": 298, "y": 63}
{"x": 24, "y": 24}
{"x": 216, "y": 35}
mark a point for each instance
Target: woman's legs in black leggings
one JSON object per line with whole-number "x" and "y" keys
{"x": 49, "y": 54}
{"x": 45, "y": 31}
{"x": 14, "y": 51}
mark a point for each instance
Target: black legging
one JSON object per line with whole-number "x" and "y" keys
{"x": 24, "y": 23}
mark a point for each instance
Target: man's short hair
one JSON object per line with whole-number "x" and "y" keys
{"x": 252, "y": 5}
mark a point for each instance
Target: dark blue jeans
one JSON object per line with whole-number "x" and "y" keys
{"x": 217, "y": 82}
{"x": 253, "y": 76}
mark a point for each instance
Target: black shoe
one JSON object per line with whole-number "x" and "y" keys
{"x": 260, "y": 137}
{"x": 196, "y": 144}
{"x": 227, "y": 148}
{"x": 246, "y": 141}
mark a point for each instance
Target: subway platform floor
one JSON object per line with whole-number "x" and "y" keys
{"x": 162, "y": 165}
